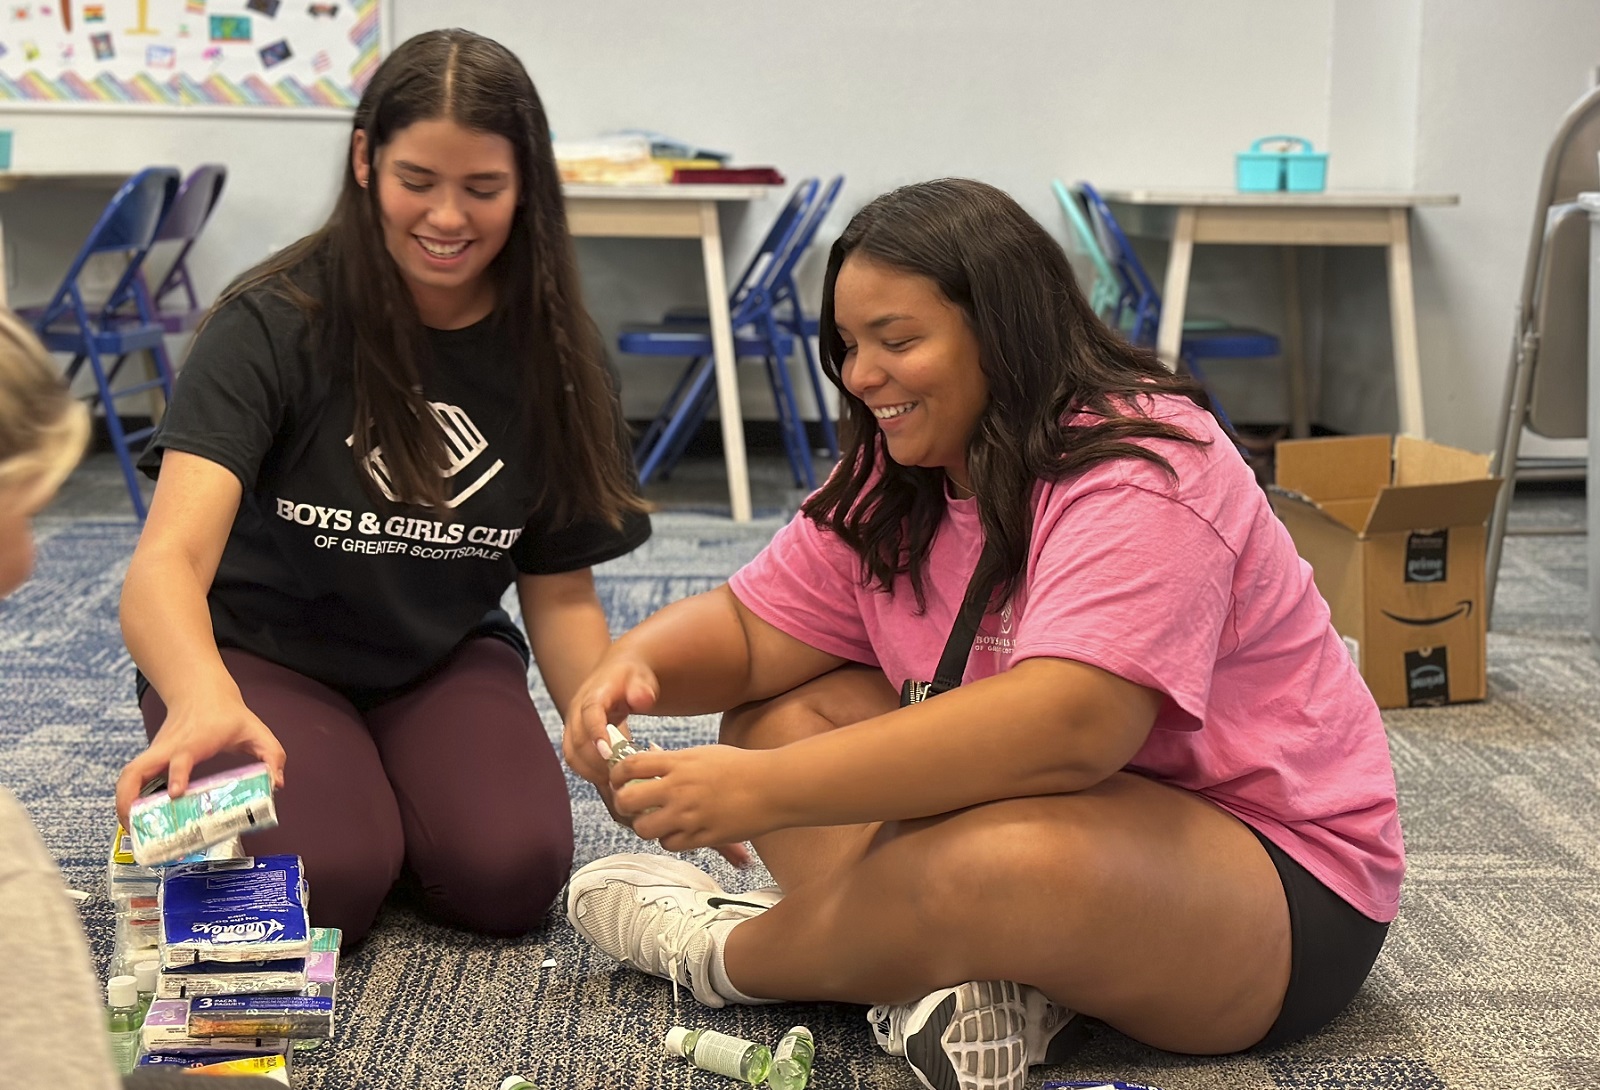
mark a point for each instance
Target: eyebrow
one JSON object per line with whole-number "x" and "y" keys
{"x": 482, "y": 176}
{"x": 880, "y": 322}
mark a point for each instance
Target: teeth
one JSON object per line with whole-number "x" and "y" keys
{"x": 436, "y": 250}
{"x": 893, "y": 410}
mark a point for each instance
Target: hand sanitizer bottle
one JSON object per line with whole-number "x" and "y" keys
{"x": 123, "y": 1020}
{"x": 144, "y": 975}
{"x": 712, "y": 1051}
{"x": 791, "y": 1061}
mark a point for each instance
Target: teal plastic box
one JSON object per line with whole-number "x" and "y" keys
{"x": 1292, "y": 166}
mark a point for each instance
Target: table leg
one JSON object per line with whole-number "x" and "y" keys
{"x": 1294, "y": 345}
{"x": 726, "y": 363}
{"x": 1403, "y": 325}
{"x": 1175, "y": 294}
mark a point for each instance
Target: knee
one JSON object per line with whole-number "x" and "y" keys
{"x": 741, "y": 727}
{"x": 348, "y": 881}
{"x": 1000, "y": 863}
{"x": 498, "y": 888}
{"x": 768, "y": 724}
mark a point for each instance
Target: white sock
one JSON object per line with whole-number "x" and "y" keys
{"x": 718, "y": 934}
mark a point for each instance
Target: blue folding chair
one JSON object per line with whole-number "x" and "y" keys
{"x": 756, "y": 334}
{"x": 792, "y": 318}
{"x": 1108, "y": 296}
{"x": 125, "y": 321}
{"x": 1112, "y": 294}
{"x": 176, "y": 304}
{"x": 1142, "y": 314}
{"x": 796, "y": 320}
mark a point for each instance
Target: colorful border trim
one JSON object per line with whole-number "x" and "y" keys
{"x": 183, "y": 90}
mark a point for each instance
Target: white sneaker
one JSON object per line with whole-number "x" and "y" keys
{"x": 654, "y": 912}
{"x": 982, "y": 1035}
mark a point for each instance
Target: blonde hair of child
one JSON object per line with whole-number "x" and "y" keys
{"x": 43, "y": 428}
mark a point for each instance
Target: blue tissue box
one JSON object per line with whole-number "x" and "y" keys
{"x": 1292, "y": 167}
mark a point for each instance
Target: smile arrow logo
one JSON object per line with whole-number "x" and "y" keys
{"x": 1463, "y": 609}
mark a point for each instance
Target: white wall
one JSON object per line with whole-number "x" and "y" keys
{"x": 1013, "y": 92}
{"x": 1372, "y": 127}
{"x": 1495, "y": 80}
{"x": 1457, "y": 95}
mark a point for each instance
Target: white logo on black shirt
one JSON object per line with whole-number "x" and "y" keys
{"x": 464, "y": 444}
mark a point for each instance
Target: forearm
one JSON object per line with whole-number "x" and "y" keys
{"x": 568, "y": 643}
{"x": 699, "y": 652}
{"x": 167, "y": 627}
{"x": 1015, "y": 735}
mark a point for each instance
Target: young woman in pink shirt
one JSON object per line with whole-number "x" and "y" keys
{"x": 1150, "y": 788}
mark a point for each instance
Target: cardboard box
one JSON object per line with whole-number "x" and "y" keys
{"x": 1394, "y": 531}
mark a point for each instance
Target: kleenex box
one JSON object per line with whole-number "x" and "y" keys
{"x": 234, "y": 910}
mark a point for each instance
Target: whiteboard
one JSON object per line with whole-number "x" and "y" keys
{"x": 218, "y": 54}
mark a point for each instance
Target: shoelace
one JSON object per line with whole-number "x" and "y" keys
{"x": 675, "y": 934}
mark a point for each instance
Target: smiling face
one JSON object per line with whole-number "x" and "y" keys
{"x": 447, "y": 196}
{"x": 912, "y": 357}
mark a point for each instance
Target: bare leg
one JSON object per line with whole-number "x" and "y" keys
{"x": 847, "y": 695}
{"x": 1133, "y": 902}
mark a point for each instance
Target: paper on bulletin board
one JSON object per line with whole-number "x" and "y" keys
{"x": 253, "y": 53}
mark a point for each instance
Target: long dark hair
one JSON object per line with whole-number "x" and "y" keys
{"x": 1044, "y": 354}
{"x": 370, "y": 324}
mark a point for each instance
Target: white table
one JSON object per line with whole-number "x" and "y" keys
{"x": 13, "y": 180}
{"x": 1190, "y": 217}
{"x": 682, "y": 211}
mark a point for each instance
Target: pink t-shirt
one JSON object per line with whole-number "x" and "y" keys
{"x": 1192, "y": 588}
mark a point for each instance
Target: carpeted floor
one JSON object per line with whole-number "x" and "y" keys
{"x": 1491, "y": 977}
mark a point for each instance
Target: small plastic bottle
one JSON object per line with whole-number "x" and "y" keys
{"x": 124, "y": 1020}
{"x": 621, "y": 746}
{"x": 518, "y": 1082}
{"x": 791, "y": 1061}
{"x": 712, "y": 1051}
{"x": 144, "y": 975}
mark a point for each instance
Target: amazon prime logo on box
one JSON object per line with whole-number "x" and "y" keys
{"x": 1425, "y": 556}
{"x": 1427, "y": 677}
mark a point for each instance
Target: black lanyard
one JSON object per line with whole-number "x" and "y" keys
{"x": 957, "y": 649}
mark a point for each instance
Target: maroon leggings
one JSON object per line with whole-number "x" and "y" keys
{"x": 453, "y": 780}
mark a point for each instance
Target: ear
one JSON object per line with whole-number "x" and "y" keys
{"x": 358, "y": 157}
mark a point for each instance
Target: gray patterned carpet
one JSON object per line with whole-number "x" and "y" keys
{"x": 1491, "y": 977}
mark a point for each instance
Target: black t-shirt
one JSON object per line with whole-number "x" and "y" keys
{"x": 316, "y": 576}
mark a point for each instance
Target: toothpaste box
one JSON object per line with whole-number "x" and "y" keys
{"x": 275, "y": 1068}
{"x": 164, "y": 829}
{"x": 192, "y": 1059}
{"x": 235, "y": 911}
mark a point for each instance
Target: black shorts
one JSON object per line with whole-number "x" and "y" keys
{"x": 1332, "y": 948}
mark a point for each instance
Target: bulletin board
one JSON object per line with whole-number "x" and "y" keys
{"x": 266, "y": 54}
